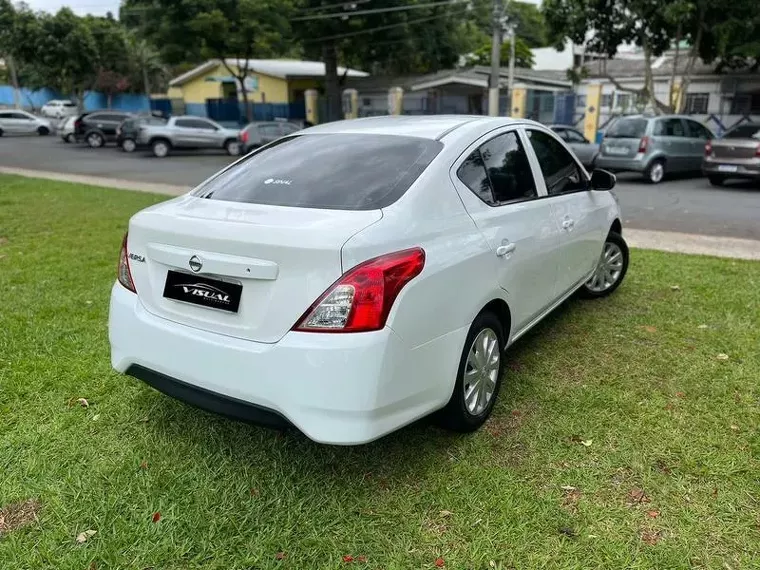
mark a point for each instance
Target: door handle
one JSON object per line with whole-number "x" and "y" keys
{"x": 503, "y": 250}
{"x": 568, "y": 224}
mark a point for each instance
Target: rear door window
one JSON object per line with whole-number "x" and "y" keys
{"x": 341, "y": 171}
{"x": 508, "y": 169}
{"x": 669, "y": 128}
{"x": 627, "y": 129}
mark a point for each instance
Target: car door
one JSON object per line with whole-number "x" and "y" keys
{"x": 670, "y": 137}
{"x": 698, "y": 137}
{"x": 185, "y": 134}
{"x": 207, "y": 134}
{"x": 578, "y": 212}
{"x": 500, "y": 192}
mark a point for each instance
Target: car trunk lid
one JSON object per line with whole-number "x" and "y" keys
{"x": 279, "y": 259}
{"x": 739, "y": 149}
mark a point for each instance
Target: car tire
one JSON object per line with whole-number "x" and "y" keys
{"x": 128, "y": 145}
{"x": 716, "y": 180}
{"x": 610, "y": 270}
{"x": 43, "y": 131}
{"x": 1, "y": 132}
{"x": 655, "y": 172}
{"x": 95, "y": 139}
{"x": 470, "y": 404}
{"x": 232, "y": 147}
{"x": 160, "y": 148}
{"x": 66, "y": 138}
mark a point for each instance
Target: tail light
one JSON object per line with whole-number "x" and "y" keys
{"x": 708, "y": 148}
{"x": 361, "y": 300}
{"x": 244, "y": 136}
{"x": 757, "y": 151}
{"x": 124, "y": 275}
{"x": 643, "y": 144}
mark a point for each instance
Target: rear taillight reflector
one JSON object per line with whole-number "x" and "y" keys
{"x": 124, "y": 274}
{"x": 244, "y": 136}
{"x": 361, "y": 300}
{"x": 757, "y": 151}
{"x": 643, "y": 144}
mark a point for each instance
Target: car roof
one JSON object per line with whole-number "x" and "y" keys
{"x": 424, "y": 126}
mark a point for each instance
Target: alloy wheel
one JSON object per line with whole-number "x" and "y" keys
{"x": 657, "y": 172}
{"x": 609, "y": 269}
{"x": 481, "y": 372}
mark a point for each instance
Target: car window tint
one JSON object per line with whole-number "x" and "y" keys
{"x": 4, "y": 115}
{"x": 669, "y": 128}
{"x": 627, "y": 128}
{"x": 269, "y": 130}
{"x": 340, "y": 171}
{"x": 69, "y": 104}
{"x": 560, "y": 171}
{"x": 184, "y": 123}
{"x": 508, "y": 169}
{"x": 473, "y": 174}
{"x": 22, "y": 116}
{"x": 698, "y": 130}
{"x": 574, "y": 137}
{"x": 198, "y": 124}
{"x": 750, "y": 131}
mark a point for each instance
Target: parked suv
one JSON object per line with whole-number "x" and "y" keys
{"x": 654, "y": 146}
{"x": 736, "y": 155}
{"x": 188, "y": 132}
{"x": 99, "y": 127}
{"x": 259, "y": 133}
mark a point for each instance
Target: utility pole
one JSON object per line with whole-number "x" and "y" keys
{"x": 493, "y": 83}
{"x": 511, "y": 80}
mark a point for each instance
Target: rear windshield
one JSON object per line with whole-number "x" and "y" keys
{"x": 627, "y": 129}
{"x": 744, "y": 132}
{"x": 334, "y": 171}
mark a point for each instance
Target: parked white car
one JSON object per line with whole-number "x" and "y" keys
{"x": 353, "y": 277}
{"x": 16, "y": 121}
{"x": 59, "y": 108}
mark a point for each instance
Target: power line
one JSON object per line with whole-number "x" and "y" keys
{"x": 347, "y": 14}
{"x": 388, "y": 27}
{"x": 325, "y": 6}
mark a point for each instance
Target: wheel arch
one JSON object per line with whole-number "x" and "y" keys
{"x": 616, "y": 227}
{"x": 161, "y": 138}
{"x": 500, "y": 309}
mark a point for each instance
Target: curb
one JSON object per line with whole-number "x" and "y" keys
{"x": 116, "y": 183}
{"x": 674, "y": 242}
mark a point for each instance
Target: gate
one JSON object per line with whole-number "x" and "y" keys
{"x": 223, "y": 110}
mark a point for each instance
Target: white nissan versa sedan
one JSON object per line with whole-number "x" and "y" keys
{"x": 356, "y": 276}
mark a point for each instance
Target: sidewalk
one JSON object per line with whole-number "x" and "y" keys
{"x": 644, "y": 239}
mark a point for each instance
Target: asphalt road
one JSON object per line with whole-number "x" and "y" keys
{"x": 688, "y": 205}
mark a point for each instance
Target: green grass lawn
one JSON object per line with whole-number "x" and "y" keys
{"x": 621, "y": 438}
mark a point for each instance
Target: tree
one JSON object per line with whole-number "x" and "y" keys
{"x": 196, "y": 30}
{"x": 712, "y": 30}
{"x": 7, "y": 29}
{"x": 529, "y": 23}
{"x": 523, "y": 55}
{"x": 146, "y": 66}
{"x": 57, "y": 51}
{"x": 386, "y": 36}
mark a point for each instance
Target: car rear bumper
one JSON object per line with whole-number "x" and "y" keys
{"x": 338, "y": 389}
{"x": 717, "y": 168}
{"x": 614, "y": 163}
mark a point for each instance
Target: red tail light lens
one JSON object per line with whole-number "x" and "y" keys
{"x": 757, "y": 151}
{"x": 124, "y": 275}
{"x": 708, "y": 148}
{"x": 643, "y": 144}
{"x": 244, "y": 136}
{"x": 361, "y": 300}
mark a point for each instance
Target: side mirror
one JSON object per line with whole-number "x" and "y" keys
{"x": 602, "y": 180}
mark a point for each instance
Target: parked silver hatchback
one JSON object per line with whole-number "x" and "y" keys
{"x": 654, "y": 146}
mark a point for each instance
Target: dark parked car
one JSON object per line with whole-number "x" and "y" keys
{"x": 99, "y": 127}
{"x": 127, "y": 133}
{"x": 259, "y": 133}
{"x": 585, "y": 150}
{"x": 735, "y": 155}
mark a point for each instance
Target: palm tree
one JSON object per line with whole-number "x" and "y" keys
{"x": 146, "y": 61}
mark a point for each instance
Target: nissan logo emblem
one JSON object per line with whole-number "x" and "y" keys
{"x": 195, "y": 264}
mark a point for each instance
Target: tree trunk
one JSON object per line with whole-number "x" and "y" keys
{"x": 244, "y": 93}
{"x": 108, "y": 100}
{"x": 14, "y": 82}
{"x": 672, "y": 96}
{"x": 146, "y": 83}
{"x": 332, "y": 86}
{"x": 693, "y": 55}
